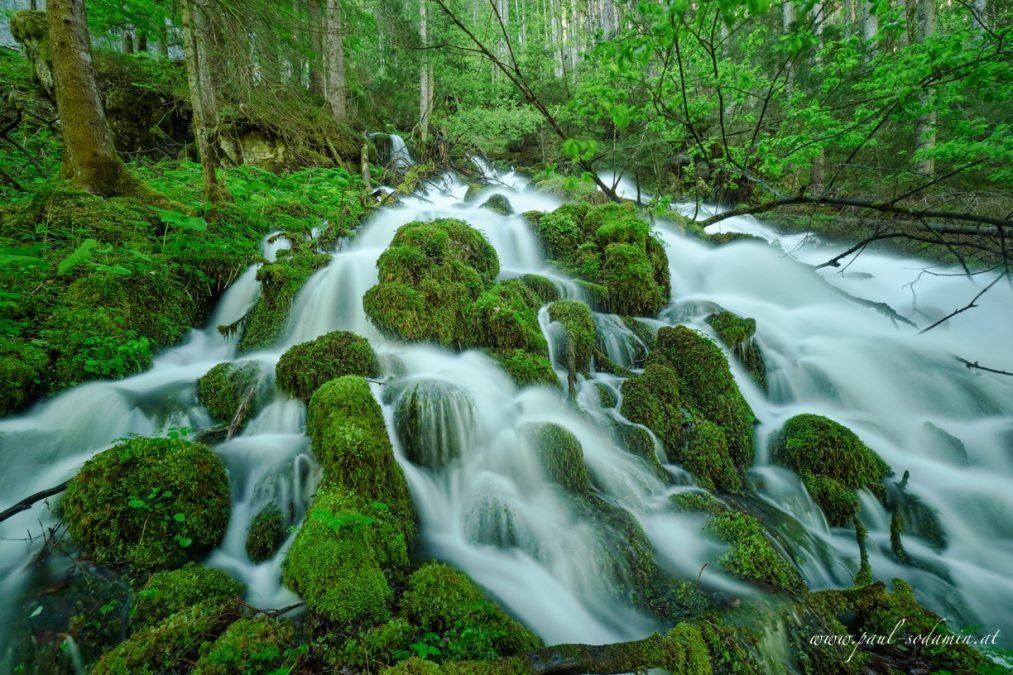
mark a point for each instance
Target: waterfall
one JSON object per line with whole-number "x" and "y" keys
{"x": 462, "y": 431}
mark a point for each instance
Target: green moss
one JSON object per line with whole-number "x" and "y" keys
{"x": 698, "y": 501}
{"x": 339, "y": 558}
{"x": 832, "y": 462}
{"x": 223, "y": 388}
{"x": 751, "y": 555}
{"x": 379, "y": 644}
{"x": 561, "y": 456}
{"x": 707, "y": 385}
{"x": 542, "y": 287}
{"x": 429, "y": 276}
{"x": 413, "y": 666}
{"x": 628, "y": 273}
{"x": 178, "y": 639}
{"x": 349, "y": 437}
{"x": 267, "y": 532}
{"x": 581, "y": 336}
{"x": 248, "y": 647}
{"x": 527, "y": 369}
{"x": 653, "y": 399}
{"x": 436, "y": 422}
{"x": 500, "y": 204}
{"x": 305, "y": 367}
{"x": 280, "y": 281}
{"x": 505, "y": 317}
{"x": 22, "y": 368}
{"x": 606, "y": 395}
{"x": 709, "y": 460}
{"x": 736, "y": 333}
{"x": 441, "y": 600}
{"x": 166, "y": 593}
{"x": 150, "y": 502}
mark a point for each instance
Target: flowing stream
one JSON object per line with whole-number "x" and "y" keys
{"x": 493, "y": 513}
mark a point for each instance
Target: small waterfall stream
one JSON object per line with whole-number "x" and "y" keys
{"x": 492, "y": 512}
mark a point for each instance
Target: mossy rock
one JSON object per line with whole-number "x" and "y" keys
{"x": 527, "y": 369}
{"x": 223, "y": 388}
{"x": 581, "y": 335}
{"x": 654, "y": 399}
{"x": 280, "y": 281}
{"x": 413, "y": 666}
{"x": 832, "y": 462}
{"x": 22, "y": 368}
{"x": 707, "y": 385}
{"x": 751, "y": 556}
{"x": 698, "y": 501}
{"x": 628, "y": 273}
{"x": 505, "y": 317}
{"x": 723, "y": 238}
{"x": 267, "y": 532}
{"x": 542, "y": 287}
{"x": 248, "y": 646}
{"x": 736, "y": 333}
{"x": 561, "y": 457}
{"x": 341, "y": 558}
{"x": 149, "y": 502}
{"x": 429, "y": 276}
{"x": 306, "y": 366}
{"x": 166, "y": 593}
{"x": 606, "y": 395}
{"x": 441, "y": 600}
{"x": 500, "y": 204}
{"x": 348, "y": 435}
{"x": 178, "y": 639}
{"x": 709, "y": 460}
{"x": 436, "y": 422}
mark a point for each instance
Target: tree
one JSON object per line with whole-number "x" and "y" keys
{"x": 90, "y": 161}
{"x": 202, "y": 93}
{"x": 425, "y": 75}
{"x": 334, "y": 49}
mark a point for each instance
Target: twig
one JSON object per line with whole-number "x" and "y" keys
{"x": 27, "y": 502}
{"x": 971, "y": 305}
{"x": 976, "y": 366}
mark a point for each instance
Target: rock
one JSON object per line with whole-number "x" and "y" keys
{"x": 307, "y": 366}
{"x": 498, "y": 203}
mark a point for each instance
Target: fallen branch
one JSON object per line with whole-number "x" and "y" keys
{"x": 976, "y": 366}
{"x": 881, "y": 307}
{"x": 27, "y": 502}
{"x": 971, "y": 305}
{"x": 241, "y": 412}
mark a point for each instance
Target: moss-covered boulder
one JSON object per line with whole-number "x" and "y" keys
{"x": 581, "y": 336}
{"x": 653, "y": 399}
{"x": 305, "y": 367}
{"x": 441, "y": 600}
{"x": 149, "y": 502}
{"x": 527, "y": 369}
{"x": 751, "y": 555}
{"x": 436, "y": 422}
{"x": 542, "y": 286}
{"x": 254, "y": 645}
{"x": 736, "y": 333}
{"x": 267, "y": 532}
{"x": 709, "y": 459}
{"x": 341, "y": 558}
{"x": 178, "y": 639}
{"x": 166, "y": 593}
{"x": 561, "y": 457}
{"x": 610, "y": 247}
{"x": 224, "y": 388}
{"x": 348, "y": 435}
{"x": 505, "y": 317}
{"x": 707, "y": 385}
{"x": 500, "y": 204}
{"x": 280, "y": 281}
{"x": 832, "y": 461}
{"x": 429, "y": 276}
{"x": 22, "y": 367}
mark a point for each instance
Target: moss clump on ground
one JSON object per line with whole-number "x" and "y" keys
{"x": 542, "y": 286}
{"x": 339, "y": 559}
{"x": 348, "y": 435}
{"x": 177, "y": 639}
{"x": 249, "y": 646}
{"x": 737, "y": 334}
{"x": 527, "y": 369}
{"x": 441, "y": 600}
{"x": 500, "y": 204}
{"x": 506, "y": 317}
{"x": 611, "y": 247}
{"x": 709, "y": 460}
{"x": 166, "y": 593}
{"x": 436, "y": 422}
{"x": 832, "y": 462}
{"x": 223, "y": 388}
{"x": 305, "y": 367}
{"x": 561, "y": 456}
{"x": 751, "y": 555}
{"x": 149, "y": 502}
{"x": 267, "y": 532}
{"x": 706, "y": 384}
{"x": 429, "y": 276}
{"x": 698, "y": 501}
{"x": 653, "y": 399}
{"x": 581, "y": 336}
{"x": 22, "y": 370}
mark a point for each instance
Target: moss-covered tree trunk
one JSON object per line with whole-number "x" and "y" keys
{"x": 202, "y": 93}
{"x": 90, "y": 161}
{"x": 316, "y": 35}
{"x": 335, "y": 51}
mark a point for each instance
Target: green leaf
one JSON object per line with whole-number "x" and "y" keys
{"x": 80, "y": 255}
{"x": 179, "y": 517}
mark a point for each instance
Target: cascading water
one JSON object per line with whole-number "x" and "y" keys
{"x": 464, "y": 433}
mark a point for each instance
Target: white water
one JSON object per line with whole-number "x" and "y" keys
{"x": 493, "y": 513}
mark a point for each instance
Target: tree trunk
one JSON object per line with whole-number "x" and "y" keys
{"x": 425, "y": 75}
{"x": 316, "y": 33}
{"x": 90, "y": 161}
{"x": 142, "y": 41}
{"x": 870, "y": 24}
{"x": 202, "y": 94}
{"x": 128, "y": 42}
{"x": 980, "y": 10}
{"x": 925, "y": 132}
{"x": 335, "y": 52}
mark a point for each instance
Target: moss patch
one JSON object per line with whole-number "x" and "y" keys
{"x": 436, "y": 422}
{"x": 505, "y": 317}
{"x": 249, "y": 646}
{"x": 581, "y": 336}
{"x": 267, "y": 532}
{"x": 305, "y": 367}
{"x": 709, "y": 460}
{"x": 527, "y": 369}
{"x": 166, "y": 593}
{"x": 150, "y": 502}
{"x": 500, "y": 204}
{"x": 751, "y": 555}
{"x": 736, "y": 333}
{"x": 561, "y": 456}
{"x": 222, "y": 389}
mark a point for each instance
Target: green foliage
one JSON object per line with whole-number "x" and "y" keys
{"x": 222, "y": 389}
{"x": 751, "y": 555}
{"x": 307, "y": 366}
{"x": 166, "y": 593}
{"x": 266, "y": 533}
{"x": 149, "y": 502}
{"x": 493, "y": 128}
{"x": 249, "y": 647}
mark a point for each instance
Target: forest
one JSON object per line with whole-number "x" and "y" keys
{"x": 515, "y": 337}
